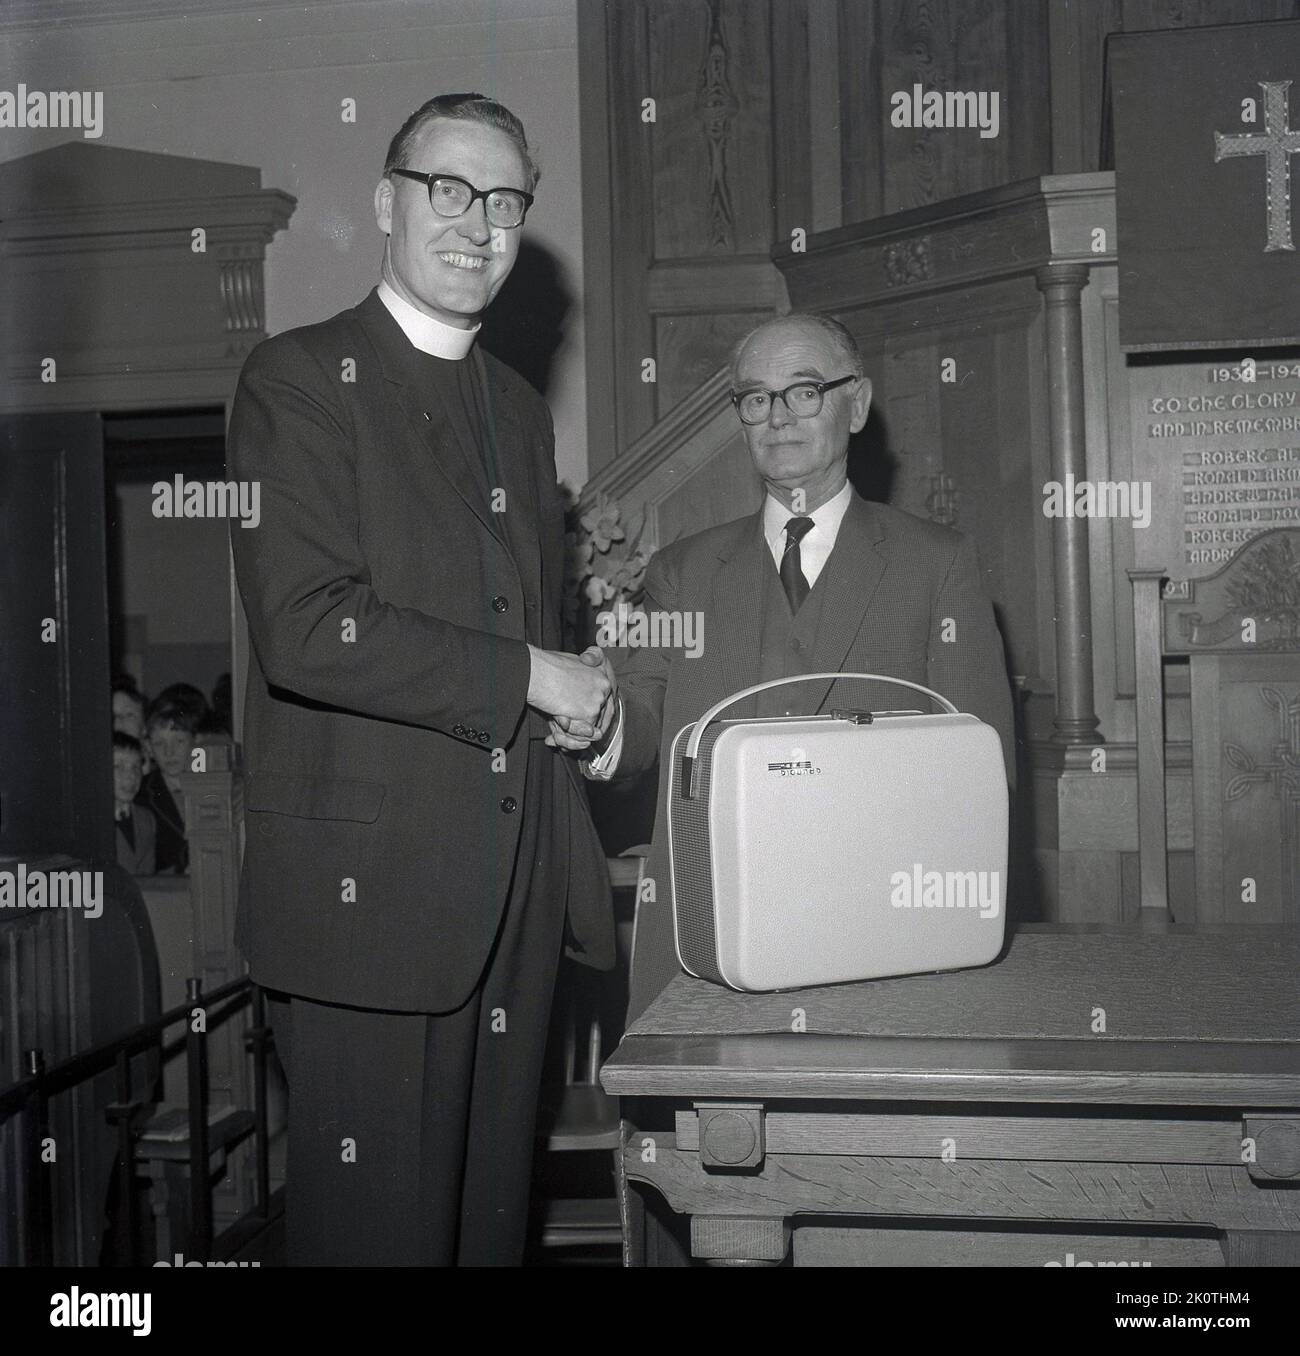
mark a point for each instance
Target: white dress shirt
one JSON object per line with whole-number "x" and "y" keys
{"x": 816, "y": 544}
{"x": 427, "y": 333}
{"x": 814, "y": 551}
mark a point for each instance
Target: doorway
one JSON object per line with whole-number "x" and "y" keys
{"x": 168, "y": 576}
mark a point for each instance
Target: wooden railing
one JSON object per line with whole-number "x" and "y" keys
{"x": 28, "y": 1112}
{"x": 690, "y": 471}
{"x": 67, "y": 980}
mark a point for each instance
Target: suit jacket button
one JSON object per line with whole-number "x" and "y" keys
{"x": 500, "y": 603}
{"x": 509, "y": 805}
{"x": 458, "y": 729}
{"x": 483, "y": 737}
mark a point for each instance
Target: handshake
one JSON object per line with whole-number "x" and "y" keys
{"x": 579, "y": 694}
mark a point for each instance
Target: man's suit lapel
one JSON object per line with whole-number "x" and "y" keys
{"x": 512, "y": 467}
{"x": 739, "y": 593}
{"x": 455, "y": 459}
{"x": 849, "y": 578}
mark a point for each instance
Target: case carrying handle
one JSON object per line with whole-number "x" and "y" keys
{"x": 693, "y": 743}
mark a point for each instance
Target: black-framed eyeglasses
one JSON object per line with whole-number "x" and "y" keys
{"x": 451, "y": 196}
{"x": 803, "y": 399}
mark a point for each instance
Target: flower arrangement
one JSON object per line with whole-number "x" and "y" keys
{"x": 603, "y": 568}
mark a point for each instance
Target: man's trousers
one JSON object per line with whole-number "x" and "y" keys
{"x": 411, "y": 1134}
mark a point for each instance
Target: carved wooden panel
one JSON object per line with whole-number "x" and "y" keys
{"x": 962, "y": 452}
{"x": 1246, "y": 716}
{"x": 976, "y": 45}
{"x": 711, "y": 75}
{"x": 690, "y": 348}
{"x": 1241, "y": 628}
{"x": 698, "y": 195}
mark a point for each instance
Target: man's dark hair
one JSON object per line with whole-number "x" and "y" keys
{"x": 180, "y": 714}
{"x": 461, "y": 108}
{"x": 122, "y": 740}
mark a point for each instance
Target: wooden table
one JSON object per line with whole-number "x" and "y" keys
{"x": 1099, "y": 1096}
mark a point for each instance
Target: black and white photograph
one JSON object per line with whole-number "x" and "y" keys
{"x": 650, "y": 633}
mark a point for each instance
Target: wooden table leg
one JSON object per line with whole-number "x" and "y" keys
{"x": 1261, "y": 1248}
{"x": 726, "y": 1241}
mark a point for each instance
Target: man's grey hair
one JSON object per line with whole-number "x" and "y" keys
{"x": 845, "y": 344}
{"x": 461, "y": 108}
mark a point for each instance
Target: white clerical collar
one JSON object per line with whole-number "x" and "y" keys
{"x": 428, "y": 334}
{"x": 826, "y": 519}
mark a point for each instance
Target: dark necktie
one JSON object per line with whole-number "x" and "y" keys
{"x": 792, "y": 576}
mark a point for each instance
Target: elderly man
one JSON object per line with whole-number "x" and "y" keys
{"x": 413, "y": 847}
{"x": 818, "y": 580}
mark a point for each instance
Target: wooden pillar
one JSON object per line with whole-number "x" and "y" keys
{"x": 1076, "y": 720}
{"x": 213, "y": 825}
{"x": 1153, "y": 881}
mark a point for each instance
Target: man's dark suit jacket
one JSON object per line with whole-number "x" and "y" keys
{"x": 389, "y": 611}
{"x": 890, "y": 582}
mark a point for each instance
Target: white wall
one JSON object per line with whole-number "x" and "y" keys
{"x": 262, "y": 84}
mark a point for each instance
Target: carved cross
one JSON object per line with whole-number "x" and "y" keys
{"x": 1277, "y": 143}
{"x": 1283, "y": 773}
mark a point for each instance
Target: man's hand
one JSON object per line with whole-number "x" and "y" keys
{"x": 577, "y": 735}
{"x": 576, "y": 689}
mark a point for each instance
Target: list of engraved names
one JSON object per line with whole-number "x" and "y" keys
{"x": 1249, "y": 480}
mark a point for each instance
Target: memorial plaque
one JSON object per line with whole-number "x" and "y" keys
{"x": 1219, "y": 443}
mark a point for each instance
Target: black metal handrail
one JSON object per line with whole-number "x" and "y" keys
{"x": 30, "y": 1097}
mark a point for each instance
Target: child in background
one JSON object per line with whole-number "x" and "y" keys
{"x": 171, "y": 730}
{"x": 188, "y": 698}
{"x": 136, "y": 827}
{"x": 128, "y": 714}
